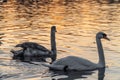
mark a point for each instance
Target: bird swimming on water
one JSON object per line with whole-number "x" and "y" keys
{"x": 32, "y": 50}
{"x": 78, "y": 63}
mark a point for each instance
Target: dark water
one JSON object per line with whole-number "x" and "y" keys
{"x": 77, "y": 24}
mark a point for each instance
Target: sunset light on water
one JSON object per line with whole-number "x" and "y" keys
{"x": 76, "y": 21}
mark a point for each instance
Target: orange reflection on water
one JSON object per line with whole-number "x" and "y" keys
{"x": 77, "y": 25}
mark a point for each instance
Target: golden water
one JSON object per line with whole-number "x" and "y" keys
{"x": 77, "y": 24}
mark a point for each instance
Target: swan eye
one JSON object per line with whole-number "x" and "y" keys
{"x": 104, "y": 35}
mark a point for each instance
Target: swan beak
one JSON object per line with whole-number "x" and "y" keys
{"x": 107, "y": 38}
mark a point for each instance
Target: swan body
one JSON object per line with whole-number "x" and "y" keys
{"x": 77, "y": 63}
{"x": 73, "y": 63}
{"x": 32, "y": 50}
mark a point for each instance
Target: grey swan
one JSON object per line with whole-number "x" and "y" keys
{"x": 77, "y": 63}
{"x": 33, "y": 50}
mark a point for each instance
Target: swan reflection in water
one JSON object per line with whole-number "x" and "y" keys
{"x": 73, "y": 75}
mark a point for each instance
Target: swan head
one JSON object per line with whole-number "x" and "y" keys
{"x": 102, "y": 35}
{"x": 53, "y": 28}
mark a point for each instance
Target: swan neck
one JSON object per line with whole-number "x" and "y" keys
{"x": 53, "y": 44}
{"x": 100, "y": 53}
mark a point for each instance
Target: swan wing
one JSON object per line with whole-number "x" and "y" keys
{"x": 74, "y": 63}
{"x": 36, "y": 53}
{"x": 32, "y": 45}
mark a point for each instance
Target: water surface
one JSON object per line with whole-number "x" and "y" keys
{"x": 77, "y": 24}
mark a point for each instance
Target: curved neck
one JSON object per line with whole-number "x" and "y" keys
{"x": 53, "y": 44}
{"x": 100, "y": 53}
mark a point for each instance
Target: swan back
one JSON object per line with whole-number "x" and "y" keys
{"x": 32, "y": 45}
{"x": 74, "y": 63}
